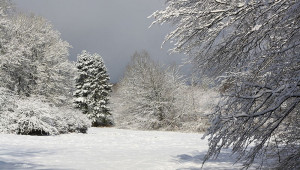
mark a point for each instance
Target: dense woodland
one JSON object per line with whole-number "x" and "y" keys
{"x": 244, "y": 92}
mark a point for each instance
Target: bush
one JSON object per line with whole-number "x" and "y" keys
{"x": 33, "y": 116}
{"x": 189, "y": 112}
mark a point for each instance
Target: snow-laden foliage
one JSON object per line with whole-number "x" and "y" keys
{"x": 224, "y": 35}
{"x": 93, "y": 88}
{"x": 34, "y": 116}
{"x": 266, "y": 118}
{"x": 34, "y": 59}
{"x": 154, "y": 97}
{"x": 34, "y": 62}
{"x": 5, "y": 5}
{"x": 254, "y": 45}
{"x": 6, "y": 100}
{"x": 5, "y": 8}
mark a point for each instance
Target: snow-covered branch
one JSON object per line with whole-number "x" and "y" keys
{"x": 254, "y": 46}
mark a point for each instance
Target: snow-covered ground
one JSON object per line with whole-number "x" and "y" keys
{"x": 109, "y": 148}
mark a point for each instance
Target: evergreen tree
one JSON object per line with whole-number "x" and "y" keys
{"x": 92, "y": 89}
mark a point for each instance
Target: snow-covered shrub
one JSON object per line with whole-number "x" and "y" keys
{"x": 198, "y": 104}
{"x": 7, "y": 104}
{"x": 190, "y": 116}
{"x": 75, "y": 120}
{"x": 7, "y": 98}
{"x": 32, "y": 116}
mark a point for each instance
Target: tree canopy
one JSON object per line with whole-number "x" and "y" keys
{"x": 252, "y": 46}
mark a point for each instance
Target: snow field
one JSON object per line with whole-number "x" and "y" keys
{"x": 109, "y": 148}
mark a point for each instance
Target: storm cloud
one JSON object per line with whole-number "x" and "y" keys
{"x": 115, "y": 29}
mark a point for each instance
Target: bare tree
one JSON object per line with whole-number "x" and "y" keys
{"x": 151, "y": 92}
{"x": 254, "y": 46}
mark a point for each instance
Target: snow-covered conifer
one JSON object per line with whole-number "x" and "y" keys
{"x": 93, "y": 88}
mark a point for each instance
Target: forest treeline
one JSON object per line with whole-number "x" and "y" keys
{"x": 43, "y": 93}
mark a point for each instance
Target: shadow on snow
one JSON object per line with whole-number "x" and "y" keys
{"x": 13, "y": 164}
{"x": 196, "y": 157}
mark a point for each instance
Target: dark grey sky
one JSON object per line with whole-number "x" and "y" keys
{"x": 115, "y": 29}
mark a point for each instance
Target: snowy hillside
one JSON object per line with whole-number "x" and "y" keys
{"x": 109, "y": 148}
